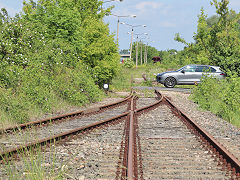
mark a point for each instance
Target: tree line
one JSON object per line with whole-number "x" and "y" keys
{"x": 54, "y": 49}
{"x": 217, "y": 40}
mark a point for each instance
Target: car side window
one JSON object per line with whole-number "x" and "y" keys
{"x": 201, "y": 69}
{"x": 212, "y": 69}
{"x": 190, "y": 69}
{"x": 205, "y": 69}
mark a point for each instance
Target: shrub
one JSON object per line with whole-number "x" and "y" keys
{"x": 15, "y": 107}
{"x": 45, "y": 58}
{"x": 128, "y": 63}
{"x": 222, "y": 97}
{"x": 76, "y": 86}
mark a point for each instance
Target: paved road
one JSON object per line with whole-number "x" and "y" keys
{"x": 184, "y": 90}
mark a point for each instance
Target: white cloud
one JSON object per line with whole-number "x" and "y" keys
{"x": 148, "y": 5}
{"x": 168, "y": 24}
{"x": 153, "y": 8}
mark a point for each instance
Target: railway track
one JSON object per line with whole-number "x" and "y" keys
{"x": 42, "y": 132}
{"x": 25, "y": 136}
{"x": 170, "y": 150}
{"x": 64, "y": 117}
{"x": 145, "y": 139}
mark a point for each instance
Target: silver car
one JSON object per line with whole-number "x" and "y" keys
{"x": 189, "y": 74}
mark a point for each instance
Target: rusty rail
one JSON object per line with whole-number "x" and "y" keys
{"x": 130, "y": 160}
{"x": 228, "y": 159}
{"x": 130, "y": 171}
{"x": 20, "y": 149}
{"x": 65, "y": 116}
{"x": 130, "y": 166}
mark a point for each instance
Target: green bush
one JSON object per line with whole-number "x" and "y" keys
{"x": 76, "y": 86}
{"x": 222, "y": 97}
{"x": 14, "y": 106}
{"x": 54, "y": 52}
{"x": 128, "y": 63}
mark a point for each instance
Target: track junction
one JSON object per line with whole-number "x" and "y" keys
{"x": 135, "y": 138}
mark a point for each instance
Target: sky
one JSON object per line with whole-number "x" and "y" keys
{"x": 163, "y": 19}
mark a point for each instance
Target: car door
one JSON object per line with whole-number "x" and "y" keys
{"x": 187, "y": 75}
{"x": 211, "y": 72}
{"x": 207, "y": 71}
{"x": 200, "y": 71}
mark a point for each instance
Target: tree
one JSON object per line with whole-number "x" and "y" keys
{"x": 76, "y": 30}
{"x": 224, "y": 40}
{"x": 124, "y": 51}
{"x": 54, "y": 49}
{"x": 216, "y": 40}
{"x": 212, "y": 20}
{"x": 180, "y": 39}
{"x": 151, "y": 52}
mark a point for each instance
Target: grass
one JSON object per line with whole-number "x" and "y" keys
{"x": 34, "y": 112}
{"x": 5, "y": 121}
{"x": 145, "y": 93}
{"x": 126, "y": 78}
{"x": 185, "y": 86}
{"x": 222, "y": 103}
{"x": 34, "y": 165}
{"x": 220, "y": 97}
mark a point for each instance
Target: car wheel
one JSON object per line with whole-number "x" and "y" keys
{"x": 170, "y": 82}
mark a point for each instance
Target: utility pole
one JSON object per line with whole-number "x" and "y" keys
{"x": 137, "y": 53}
{"x": 120, "y": 16}
{"x": 144, "y": 59}
{"x": 137, "y": 47}
{"x": 131, "y": 44}
{"x": 145, "y": 53}
{"x": 132, "y": 26}
{"x": 141, "y": 51}
{"x": 118, "y": 28}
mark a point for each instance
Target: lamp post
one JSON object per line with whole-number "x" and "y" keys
{"x": 142, "y": 55}
{"x": 141, "y": 51}
{"x": 146, "y": 52}
{"x": 137, "y": 47}
{"x": 143, "y": 45}
{"x": 119, "y": 21}
{"x": 132, "y": 26}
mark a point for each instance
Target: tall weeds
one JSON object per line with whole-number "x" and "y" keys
{"x": 222, "y": 97}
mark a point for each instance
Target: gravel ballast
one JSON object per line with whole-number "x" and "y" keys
{"x": 95, "y": 156}
{"x": 224, "y": 132}
{"x": 170, "y": 151}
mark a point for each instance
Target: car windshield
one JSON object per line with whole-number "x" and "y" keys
{"x": 188, "y": 68}
{"x": 181, "y": 68}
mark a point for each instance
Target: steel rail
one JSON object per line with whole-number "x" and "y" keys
{"x": 126, "y": 160}
{"x": 57, "y": 137}
{"x": 131, "y": 145}
{"x": 130, "y": 159}
{"x": 222, "y": 153}
{"x": 65, "y": 116}
{"x": 149, "y": 107}
{"x": 227, "y": 158}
